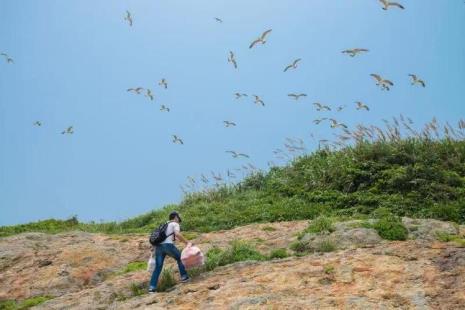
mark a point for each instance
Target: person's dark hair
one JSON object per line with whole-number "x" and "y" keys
{"x": 173, "y": 215}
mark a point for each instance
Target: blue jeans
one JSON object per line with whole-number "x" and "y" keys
{"x": 160, "y": 253}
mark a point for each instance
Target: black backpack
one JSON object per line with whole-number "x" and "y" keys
{"x": 158, "y": 235}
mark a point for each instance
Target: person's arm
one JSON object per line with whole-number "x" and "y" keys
{"x": 181, "y": 237}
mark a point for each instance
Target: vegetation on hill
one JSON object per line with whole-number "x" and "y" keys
{"x": 415, "y": 176}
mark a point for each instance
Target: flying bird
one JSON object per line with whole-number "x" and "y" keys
{"x": 69, "y": 130}
{"x": 163, "y": 83}
{"x": 321, "y": 107}
{"x": 232, "y": 59}
{"x": 386, "y": 4}
{"x": 335, "y": 123}
{"x": 340, "y": 108}
{"x": 297, "y": 96}
{"x": 164, "y": 108}
{"x": 258, "y": 100}
{"x": 177, "y": 140}
{"x": 381, "y": 82}
{"x": 319, "y": 120}
{"x": 38, "y": 123}
{"x": 293, "y": 65}
{"x": 361, "y": 105}
{"x": 218, "y": 19}
{"x": 237, "y": 155}
{"x": 416, "y": 80}
{"x": 354, "y": 51}
{"x": 229, "y": 124}
{"x": 239, "y": 95}
{"x": 149, "y": 94}
{"x": 8, "y": 59}
{"x": 128, "y": 18}
{"x": 261, "y": 39}
{"x": 137, "y": 90}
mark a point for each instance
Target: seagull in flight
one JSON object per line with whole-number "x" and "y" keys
{"x": 218, "y": 19}
{"x": 137, "y": 90}
{"x": 416, "y": 80}
{"x": 319, "y": 120}
{"x": 381, "y": 82}
{"x": 261, "y": 39}
{"x": 239, "y": 95}
{"x": 237, "y": 155}
{"x": 386, "y": 4}
{"x": 229, "y": 124}
{"x": 354, "y": 51}
{"x": 361, "y": 105}
{"x": 232, "y": 59}
{"x": 258, "y": 100}
{"x": 128, "y": 17}
{"x": 163, "y": 83}
{"x": 335, "y": 123}
{"x": 8, "y": 59}
{"x": 164, "y": 108}
{"x": 293, "y": 65}
{"x": 69, "y": 130}
{"x": 297, "y": 96}
{"x": 149, "y": 94}
{"x": 321, "y": 107}
{"x": 177, "y": 140}
{"x": 37, "y": 123}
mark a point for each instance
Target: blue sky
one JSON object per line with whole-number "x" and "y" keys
{"x": 74, "y": 61}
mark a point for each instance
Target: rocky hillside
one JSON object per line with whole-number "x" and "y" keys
{"x": 78, "y": 270}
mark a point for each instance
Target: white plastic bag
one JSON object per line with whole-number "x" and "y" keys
{"x": 192, "y": 257}
{"x": 151, "y": 263}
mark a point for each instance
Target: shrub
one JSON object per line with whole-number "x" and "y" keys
{"x": 326, "y": 246}
{"x": 278, "y": 253}
{"x": 166, "y": 280}
{"x": 137, "y": 289}
{"x": 320, "y": 225}
{"x": 299, "y": 246}
{"x": 240, "y": 251}
{"x": 391, "y": 228}
{"x": 446, "y": 212}
{"x": 213, "y": 258}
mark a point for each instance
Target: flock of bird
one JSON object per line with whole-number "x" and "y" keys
{"x": 292, "y": 145}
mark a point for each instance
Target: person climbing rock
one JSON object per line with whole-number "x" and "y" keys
{"x": 170, "y": 232}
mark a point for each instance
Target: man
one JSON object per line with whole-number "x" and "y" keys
{"x": 167, "y": 247}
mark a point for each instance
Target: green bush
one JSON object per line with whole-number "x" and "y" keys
{"x": 166, "y": 280}
{"x": 299, "y": 246}
{"x": 278, "y": 253}
{"x": 320, "y": 225}
{"x": 238, "y": 251}
{"x": 326, "y": 246}
{"x": 391, "y": 228}
{"x": 415, "y": 177}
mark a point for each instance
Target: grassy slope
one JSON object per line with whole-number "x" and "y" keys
{"x": 414, "y": 177}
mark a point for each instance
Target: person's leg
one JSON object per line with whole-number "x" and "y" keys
{"x": 159, "y": 259}
{"x": 173, "y": 251}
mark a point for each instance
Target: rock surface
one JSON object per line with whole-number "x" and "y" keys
{"x": 80, "y": 270}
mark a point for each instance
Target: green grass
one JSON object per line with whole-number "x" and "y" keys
{"x": 278, "y": 253}
{"x": 391, "y": 228}
{"x": 326, "y": 246}
{"x": 237, "y": 251}
{"x": 133, "y": 266}
{"x": 416, "y": 177}
{"x": 268, "y": 228}
{"x": 320, "y": 225}
{"x": 137, "y": 289}
{"x": 166, "y": 280}
{"x": 24, "y": 304}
